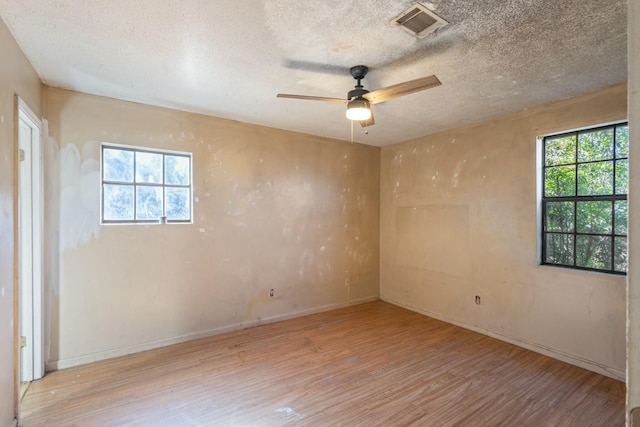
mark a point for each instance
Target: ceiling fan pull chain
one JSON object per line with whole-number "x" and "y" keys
{"x": 351, "y": 131}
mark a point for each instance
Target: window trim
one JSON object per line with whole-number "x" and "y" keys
{"x": 542, "y": 200}
{"x": 134, "y": 184}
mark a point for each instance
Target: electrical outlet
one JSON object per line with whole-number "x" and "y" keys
{"x": 271, "y": 293}
{"x": 478, "y": 299}
{"x": 347, "y": 281}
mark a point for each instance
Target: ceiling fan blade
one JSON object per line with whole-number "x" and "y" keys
{"x": 369, "y": 122}
{"x": 312, "y": 98}
{"x": 401, "y": 89}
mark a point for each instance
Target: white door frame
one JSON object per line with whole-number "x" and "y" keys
{"x": 30, "y": 231}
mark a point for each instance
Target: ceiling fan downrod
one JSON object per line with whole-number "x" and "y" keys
{"x": 358, "y": 72}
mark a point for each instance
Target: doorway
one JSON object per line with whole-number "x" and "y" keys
{"x": 30, "y": 273}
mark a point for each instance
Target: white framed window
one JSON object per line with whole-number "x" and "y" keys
{"x": 141, "y": 185}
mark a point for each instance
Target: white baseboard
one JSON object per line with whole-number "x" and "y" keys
{"x": 578, "y": 361}
{"x": 109, "y": 354}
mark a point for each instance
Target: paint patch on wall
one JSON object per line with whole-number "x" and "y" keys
{"x": 434, "y": 237}
{"x": 79, "y": 194}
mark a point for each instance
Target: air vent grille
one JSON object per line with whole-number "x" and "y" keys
{"x": 419, "y": 21}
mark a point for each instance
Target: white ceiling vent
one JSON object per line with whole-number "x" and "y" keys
{"x": 419, "y": 21}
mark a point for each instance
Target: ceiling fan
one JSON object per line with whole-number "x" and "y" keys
{"x": 359, "y": 100}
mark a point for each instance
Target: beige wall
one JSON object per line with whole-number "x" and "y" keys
{"x": 16, "y": 77}
{"x": 273, "y": 209}
{"x": 633, "y": 308}
{"x": 458, "y": 219}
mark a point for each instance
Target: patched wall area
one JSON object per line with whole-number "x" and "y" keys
{"x": 272, "y": 210}
{"x": 458, "y": 220}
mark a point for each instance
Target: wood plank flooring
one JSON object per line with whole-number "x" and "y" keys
{"x": 373, "y": 364}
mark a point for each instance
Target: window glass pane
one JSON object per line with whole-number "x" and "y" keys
{"x": 594, "y": 217}
{"x": 560, "y": 151}
{"x": 560, "y": 216}
{"x": 178, "y": 206}
{"x": 620, "y": 254}
{"x": 117, "y": 202}
{"x": 622, "y": 176}
{"x": 149, "y": 168}
{"x": 622, "y": 141}
{"x": 595, "y": 145}
{"x": 560, "y": 181}
{"x": 176, "y": 170}
{"x": 593, "y": 252}
{"x": 117, "y": 165}
{"x": 559, "y": 249}
{"x": 620, "y": 214}
{"x": 148, "y": 202}
{"x": 595, "y": 179}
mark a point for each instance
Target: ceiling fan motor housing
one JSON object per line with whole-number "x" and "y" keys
{"x": 357, "y": 93}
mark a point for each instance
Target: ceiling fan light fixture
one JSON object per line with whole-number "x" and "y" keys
{"x": 358, "y": 109}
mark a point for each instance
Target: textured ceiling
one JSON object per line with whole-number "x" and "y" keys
{"x": 230, "y": 58}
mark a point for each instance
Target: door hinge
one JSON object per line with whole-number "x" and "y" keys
{"x": 21, "y": 155}
{"x": 23, "y": 342}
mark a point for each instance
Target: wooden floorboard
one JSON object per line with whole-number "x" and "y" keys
{"x": 366, "y": 365}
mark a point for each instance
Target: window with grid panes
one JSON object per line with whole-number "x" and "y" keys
{"x": 145, "y": 186}
{"x": 584, "y": 199}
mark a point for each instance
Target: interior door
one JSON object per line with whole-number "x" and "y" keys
{"x": 30, "y": 245}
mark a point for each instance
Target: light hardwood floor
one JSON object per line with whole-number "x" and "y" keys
{"x": 366, "y": 365}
